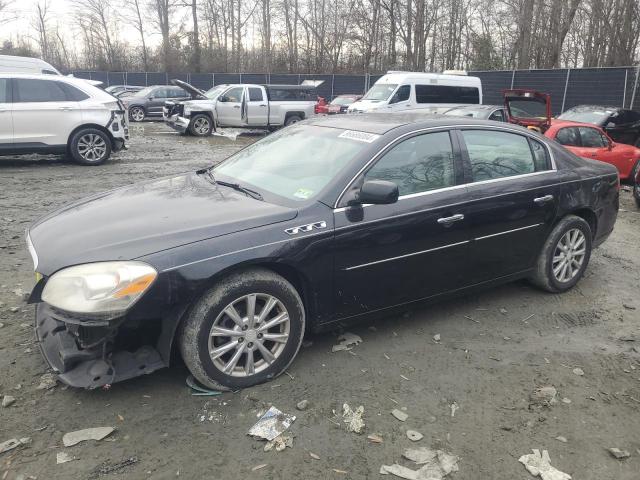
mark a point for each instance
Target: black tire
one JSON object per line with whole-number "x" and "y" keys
{"x": 636, "y": 194}
{"x": 291, "y": 119}
{"x": 636, "y": 184}
{"x": 543, "y": 276}
{"x": 137, "y": 113}
{"x": 195, "y": 331}
{"x": 90, "y": 146}
{"x": 201, "y": 125}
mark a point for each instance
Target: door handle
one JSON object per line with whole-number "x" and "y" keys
{"x": 236, "y": 106}
{"x": 66, "y": 109}
{"x": 263, "y": 105}
{"x": 543, "y": 200}
{"x": 446, "y": 221}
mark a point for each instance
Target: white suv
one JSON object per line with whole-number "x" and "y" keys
{"x": 55, "y": 114}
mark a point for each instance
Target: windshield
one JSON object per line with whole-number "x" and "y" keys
{"x": 596, "y": 117}
{"x": 380, "y": 92}
{"x": 467, "y": 112}
{"x": 527, "y": 108}
{"x": 297, "y": 162}
{"x": 343, "y": 101}
{"x": 214, "y": 92}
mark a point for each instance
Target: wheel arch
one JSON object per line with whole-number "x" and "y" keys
{"x": 94, "y": 126}
{"x": 294, "y": 113}
{"x": 589, "y": 216}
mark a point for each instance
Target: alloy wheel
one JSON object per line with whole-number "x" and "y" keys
{"x": 92, "y": 147}
{"x": 569, "y": 255}
{"x": 249, "y": 335}
{"x": 137, "y": 114}
{"x": 201, "y": 126}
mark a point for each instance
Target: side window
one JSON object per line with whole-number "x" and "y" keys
{"x": 498, "y": 154}
{"x": 418, "y": 164}
{"x": 497, "y": 116}
{"x": 255, "y": 94}
{"x": 74, "y": 94}
{"x": 177, "y": 93}
{"x": 540, "y": 156}
{"x": 403, "y": 94}
{"x": 446, "y": 94}
{"x": 159, "y": 93}
{"x": 4, "y": 90}
{"x": 49, "y": 72}
{"x": 31, "y": 90}
{"x": 591, "y": 138}
{"x": 568, "y": 136}
{"x": 234, "y": 94}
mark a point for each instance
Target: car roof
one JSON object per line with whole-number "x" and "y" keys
{"x": 477, "y": 107}
{"x": 40, "y": 76}
{"x": 380, "y": 124}
{"x": 595, "y": 107}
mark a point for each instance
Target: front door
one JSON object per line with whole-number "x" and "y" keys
{"x": 229, "y": 107}
{"x": 42, "y": 113}
{"x": 401, "y": 99}
{"x": 6, "y": 119}
{"x": 257, "y": 107}
{"x": 513, "y": 197}
{"x": 388, "y": 255}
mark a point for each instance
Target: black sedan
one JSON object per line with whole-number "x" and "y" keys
{"x": 325, "y": 221}
{"x": 621, "y": 124}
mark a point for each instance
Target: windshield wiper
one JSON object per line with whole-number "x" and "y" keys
{"x": 235, "y": 186}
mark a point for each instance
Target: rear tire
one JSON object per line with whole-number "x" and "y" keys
{"x": 201, "y": 125}
{"x": 291, "y": 119}
{"x": 210, "y": 328}
{"x": 636, "y": 194}
{"x": 137, "y": 114}
{"x": 90, "y": 146}
{"x": 564, "y": 256}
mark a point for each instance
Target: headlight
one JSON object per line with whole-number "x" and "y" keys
{"x": 99, "y": 288}
{"x": 187, "y": 110}
{"x": 32, "y": 251}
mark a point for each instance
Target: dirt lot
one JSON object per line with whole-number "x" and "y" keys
{"x": 495, "y": 348}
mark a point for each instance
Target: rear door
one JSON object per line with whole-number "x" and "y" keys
{"x": 6, "y": 117}
{"x": 257, "y": 107}
{"x": 229, "y": 107}
{"x": 42, "y": 112}
{"x": 513, "y": 197}
{"x": 156, "y": 100}
{"x": 415, "y": 248}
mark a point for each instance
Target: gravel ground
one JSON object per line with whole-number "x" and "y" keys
{"x": 494, "y": 350}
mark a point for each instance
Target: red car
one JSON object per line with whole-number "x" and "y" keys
{"x": 337, "y": 105}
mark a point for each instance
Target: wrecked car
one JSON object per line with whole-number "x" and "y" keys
{"x": 528, "y": 108}
{"x": 329, "y": 220}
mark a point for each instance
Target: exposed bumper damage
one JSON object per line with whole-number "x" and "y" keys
{"x": 82, "y": 353}
{"x": 181, "y": 124}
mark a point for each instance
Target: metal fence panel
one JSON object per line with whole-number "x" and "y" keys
{"x": 256, "y": 78}
{"x": 154, "y": 78}
{"x": 284, "y": 79}
{"x": 81, "y": 74}
{"x": 597, "y": 86}
{"x": 203, "y": 81}
{"x": 225, "y": 78}
{"x": 115, "y": 78}
{"x": 348, "y": 84}
{"x": 137, "y": 78}
{"x": 493, "y": 83}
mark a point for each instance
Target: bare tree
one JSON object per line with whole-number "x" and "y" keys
{"x": 133, "y": 16}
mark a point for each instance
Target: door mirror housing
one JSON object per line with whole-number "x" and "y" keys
{"x": 378, "y": 192}
{"x": 223, "y": 98}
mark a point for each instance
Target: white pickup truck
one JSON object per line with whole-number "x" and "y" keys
{"x": 240, "y": 105}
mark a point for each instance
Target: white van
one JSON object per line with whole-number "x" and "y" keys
{"x": 398, "y": 91}
{"x": 13, "y": 64}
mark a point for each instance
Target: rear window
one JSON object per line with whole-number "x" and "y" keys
{"x": 255, "y": 94}
{"x": 446, "y": 94}
{"x": 31, "y": 90}
{"x": 290, "y": 94}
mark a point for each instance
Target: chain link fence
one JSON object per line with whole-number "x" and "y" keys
{"x": 615, "y": 86}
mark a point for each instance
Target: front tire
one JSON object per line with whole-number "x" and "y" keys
{"x": 245, "y": 330}
{"x": 137, "y": 114}
{"x": 564, "y": 256}
{"x": 201, "y": 125}
{"x": 90, "y": 147}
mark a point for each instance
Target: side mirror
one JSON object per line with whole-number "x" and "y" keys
{"x": 378, "y": 192}
{"x": 223, "y": 99}
{"x": 150, "y": 98}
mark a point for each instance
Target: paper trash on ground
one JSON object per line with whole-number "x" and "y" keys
{"x": 97, "y": 433}
{"x": 272, "y": 424}
{"x": 540, "y": 465}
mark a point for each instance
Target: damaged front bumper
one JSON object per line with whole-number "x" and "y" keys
{"x": 82, "y": 352}
{"x": 178, "y": 123}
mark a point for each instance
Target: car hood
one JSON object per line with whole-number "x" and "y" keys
{"x": 195, "y": 92}
{"x": 367, "y": 105}
{"x": 145, "y": 218}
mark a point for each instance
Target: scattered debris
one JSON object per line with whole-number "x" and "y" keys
{"x": 405, "y": 378}
{"x": 414, "y": 436}
{"x": 562, "y": 439}
{"x": 543, "y": 396}
{"x": 63, "y": 457}
{"x": 47, "y": 381}
{"x": 436, "y": 337}
{"x": 375, "y": 438}
{"x": 619, "y": 454}
{"x": 399, "y": 414}
{"x": 578, "y": 371}
{"x": 503, "y": 311}
{"x": 107, "y": 468}
{"x": 454, "y": 408}
{"x": 97, "y": 433}
{"x": 258, "y": 467}
{"x": 279, "y": 443}
{"x": 7, "y": 401}
{"x": 353, "y": 418}
{"x": 337, "y": 470}
{"x": 628, "y": 307}
{"x": 314, "y": 456}
{"x": 346, "y": 341}
{"x": 540, "y": 465}
{"x": 272, "y": 424}
{"x": 199, "y": 390}
{"x": 302, "y": 405}
{"x": 14, "y": 443}
{"x": 14, "y": 309}
{"x": 436, "y": 464}
{"x": 566, "y": 400}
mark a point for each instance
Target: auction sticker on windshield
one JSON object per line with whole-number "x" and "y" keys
{"x": 303, "y": 193}
{"x": 359, "y": 136}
